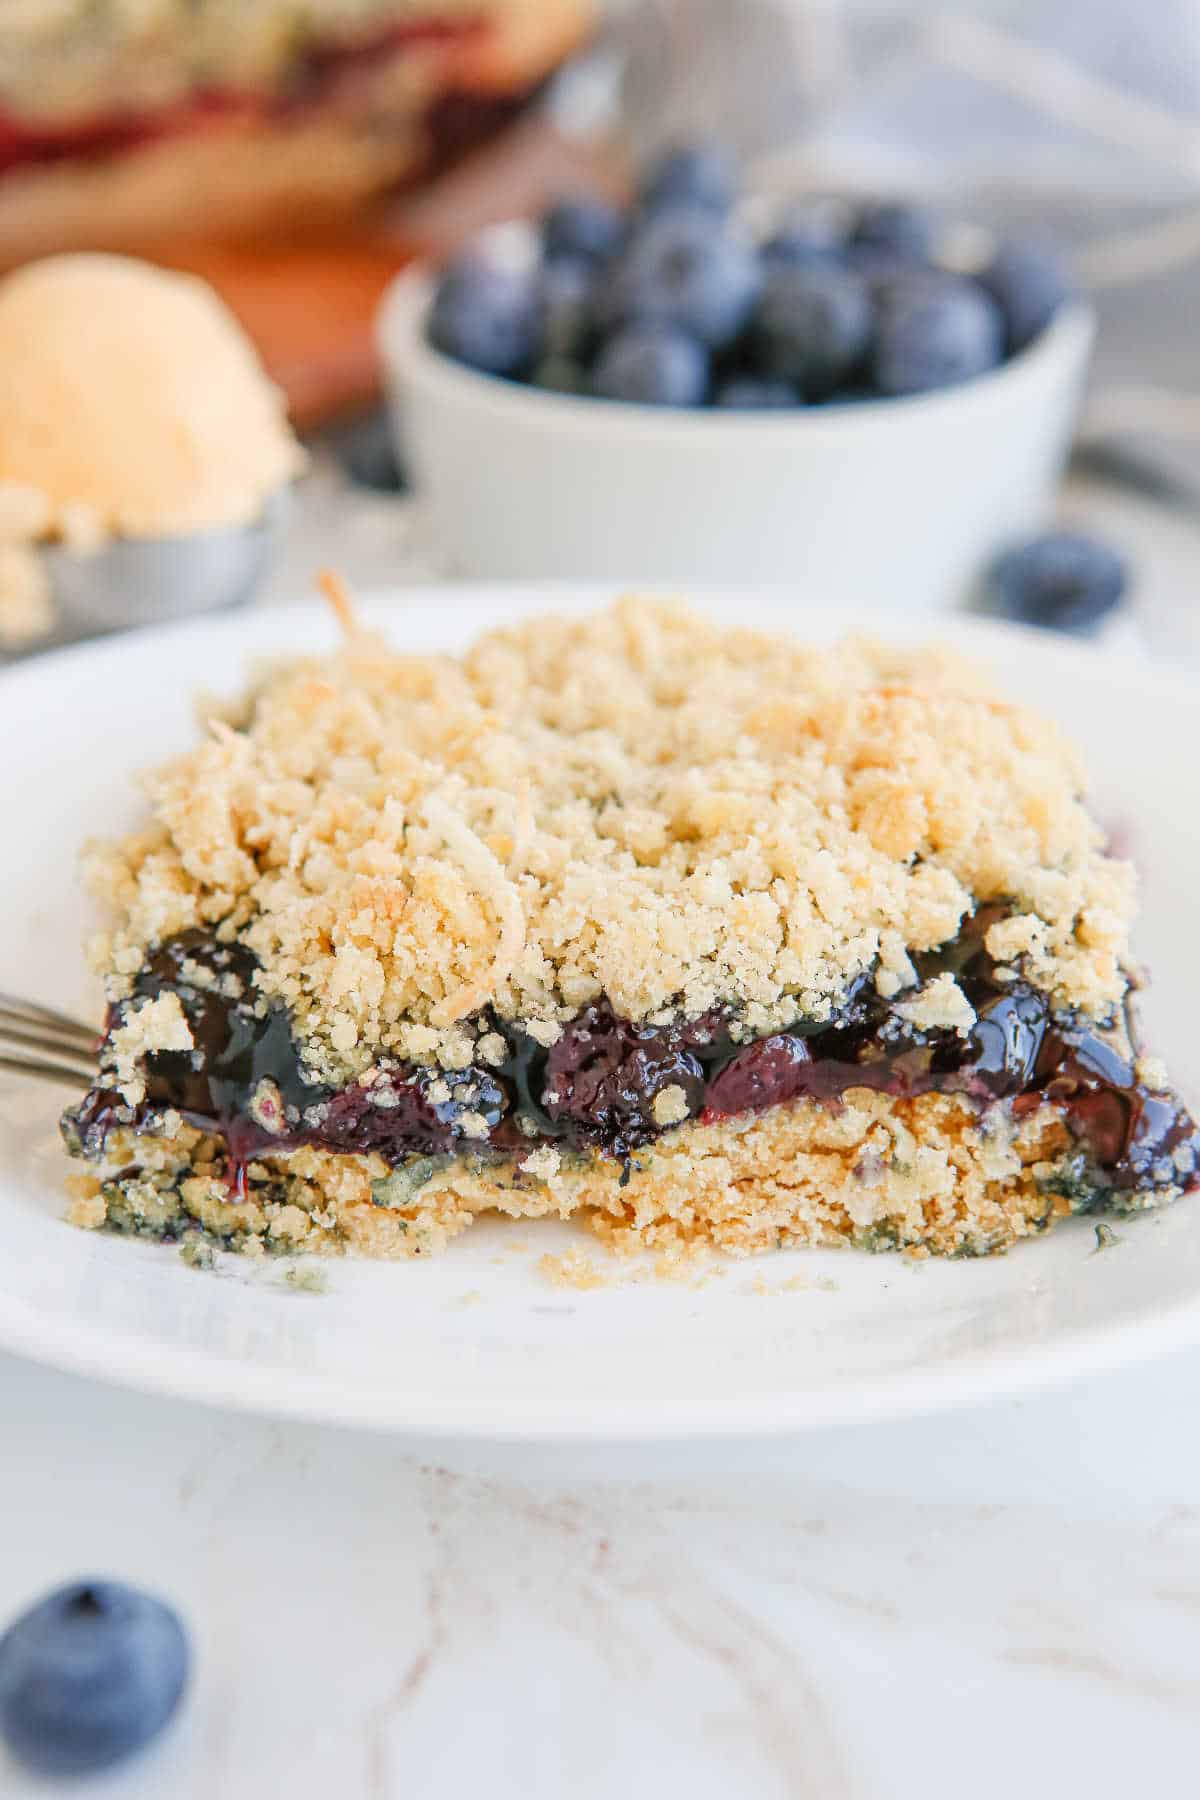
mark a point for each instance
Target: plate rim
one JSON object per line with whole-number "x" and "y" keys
{"x": 199, "y": 1378}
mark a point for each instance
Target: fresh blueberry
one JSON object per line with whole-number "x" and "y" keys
{"x": 1062, "y": 580}
{"x": 583, "y": 227}
{"x": 88, "y": 1676}
{"x": 368, "y": 452}
{"x": 701, "y": 174}
{"x": 683, "y": 268}
{"x": 933, "y": 332}
{"x": 806, "y": 233}
{"x": 897, "y": 228}
{"x": 486, "y": 314}
{"x": 812, "y": 327}
{"x": 1029, "y": 284}
{"x": 756, "y": 393}
{"x": 861, "y": 394}
{"x": 560, "y": 375}
{"x": 652, "y": 365}
{"x": 565, "y": 306}
{"x": 796, "y": 250}
{"x": 883, "y": 269}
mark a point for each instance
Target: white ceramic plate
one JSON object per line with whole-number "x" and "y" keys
{"x": 477, "y": 1343}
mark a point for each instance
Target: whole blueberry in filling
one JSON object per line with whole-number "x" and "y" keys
{"x": 765, "y": 1074}
{"x": 608, "y": 1080}
{"x": 413, "y": 1114}
{"x": 1005, "y": 1042}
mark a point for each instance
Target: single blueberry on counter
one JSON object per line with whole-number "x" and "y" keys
{"x": 1062, "y": 581}
{"x": 681, "y": 268}
{"x": 701, "y": 174}
{"x": 582, "y": 226}
{"x": 652, "y": 365}
{"x": 1029, "y": 284}
{"x": 897, "y": 228}
{"x": 89, "y": 1675}
{"x": 367, "y": 451}
{"x": 486, "y": 314}
{"x": 812, "y": 327}
{"x": 756, "y": 393}
{"x": 932, "y": 332}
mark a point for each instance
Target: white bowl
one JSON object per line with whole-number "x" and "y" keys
{"x": 897, "y": 501}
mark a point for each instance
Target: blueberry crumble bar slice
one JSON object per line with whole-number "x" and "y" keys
{"x": 708, "y": 936}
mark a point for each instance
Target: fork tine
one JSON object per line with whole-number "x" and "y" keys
{"x": 55, "y": 1044}
{"x": 15, "y": 1011}
{"x": 51, "y": 1046}
{"x": 47, "y": 1071}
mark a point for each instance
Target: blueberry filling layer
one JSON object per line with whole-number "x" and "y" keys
{"x": 613, "y": 1085}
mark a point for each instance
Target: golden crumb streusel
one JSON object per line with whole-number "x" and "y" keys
{"x": 640, "y": 804}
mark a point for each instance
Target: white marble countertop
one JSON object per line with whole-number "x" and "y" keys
{"x": 999, "y": 1602}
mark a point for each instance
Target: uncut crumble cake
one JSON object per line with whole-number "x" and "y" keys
{"x": 705, "y": 935}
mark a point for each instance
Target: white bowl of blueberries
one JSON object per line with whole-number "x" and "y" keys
{"x": 852, "y": 398}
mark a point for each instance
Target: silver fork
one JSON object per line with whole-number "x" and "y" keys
{"x": 36, "y": 1040}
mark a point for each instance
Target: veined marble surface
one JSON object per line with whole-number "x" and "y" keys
{"x": 993, "y": 1603}
{"x": 1000, "y": 1602}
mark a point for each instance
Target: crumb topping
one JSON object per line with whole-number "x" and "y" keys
{"x": 1151, "y": 1071}
{"x": 941, "y": 1005}
{"x": 158, "y": 1024}
{"x": 542, "y": 1164}
{"x": 670, "y": 1106}
{"x": 641, "y": 804}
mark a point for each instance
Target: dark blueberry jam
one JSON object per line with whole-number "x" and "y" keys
{"x": 610, "y": 1084}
